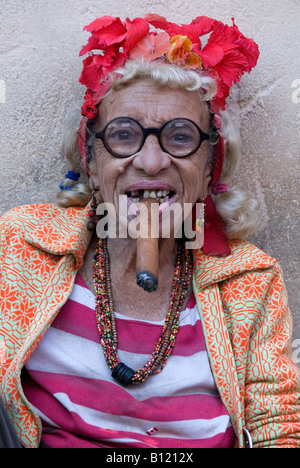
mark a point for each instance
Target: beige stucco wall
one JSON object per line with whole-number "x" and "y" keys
{"x": 39, "y": 70}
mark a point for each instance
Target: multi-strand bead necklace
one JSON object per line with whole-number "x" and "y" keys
{"x": 106, "y": 320}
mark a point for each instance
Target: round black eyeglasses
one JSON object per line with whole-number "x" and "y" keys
{"x": 124, "y": 137}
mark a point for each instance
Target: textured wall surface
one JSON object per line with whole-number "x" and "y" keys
{"x": 39, "y": 70}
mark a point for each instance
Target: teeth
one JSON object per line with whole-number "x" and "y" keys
{"x": 161, "y": 195}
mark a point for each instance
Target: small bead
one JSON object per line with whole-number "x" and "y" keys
{"x": 91, "y": 225}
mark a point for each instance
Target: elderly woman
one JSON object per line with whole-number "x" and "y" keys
{"x": 195, "y": 350}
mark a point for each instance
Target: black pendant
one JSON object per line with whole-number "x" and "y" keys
{"x": 123, "y": 374}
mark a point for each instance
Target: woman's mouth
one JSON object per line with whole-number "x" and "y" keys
{"x": 161, "y": 195}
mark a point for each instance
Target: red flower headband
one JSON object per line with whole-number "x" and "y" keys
{"x": 226, "y": 56}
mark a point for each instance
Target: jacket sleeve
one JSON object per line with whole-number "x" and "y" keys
{"x": 272, "y": 387}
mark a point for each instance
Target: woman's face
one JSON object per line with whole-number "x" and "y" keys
{"x": 183, "y": 180}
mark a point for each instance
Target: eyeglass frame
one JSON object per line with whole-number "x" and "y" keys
{"x": 146, "y": 132}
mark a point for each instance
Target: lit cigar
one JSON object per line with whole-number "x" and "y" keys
{"x": 147, "y": 249}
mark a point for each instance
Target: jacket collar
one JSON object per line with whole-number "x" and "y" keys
{"x": 65, "y": 233}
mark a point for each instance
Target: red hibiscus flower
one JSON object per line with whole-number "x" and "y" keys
{"x": 108, "y": 35}
{"x": 229, "y": 53}
{"x": 108, "y": 31}
{"x": 105, "y": 31}
{"x": 113, "y": 40}
{"x": 96, "y": 66}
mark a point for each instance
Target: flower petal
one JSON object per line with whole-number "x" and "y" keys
{"x": 232, "y": 67}
{"x": 91, "y": 74}
{"x": 224, "y": 36}
{"x": 162, "y": 43}
{"x": 198, "y": 27}
{"x": 157, "y": 21}
{"x": 211, "y": 55}
{"x": 136, "y": 29}
{"x": 193, "y": 61}
{"x": 160, "y": 22}
{"x": 181, "y": 41}
{"x": 93, "y": 43}
{"x": 250, "y": 50}
{"x": 203, "y": 24}
{"x": 115, "y": 33}
{"x": 101, "y": 23}
{"x": 247, "y": 47}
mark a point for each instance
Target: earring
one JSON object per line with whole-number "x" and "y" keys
{"x": 200, "y": 218}
{"x": 199, "y": 225}
{"x": 93, "y": 218}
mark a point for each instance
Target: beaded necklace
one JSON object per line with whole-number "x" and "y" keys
{"x": 106, "y": 321}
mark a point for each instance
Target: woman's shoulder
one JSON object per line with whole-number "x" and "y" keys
{"x": 246, "y": 252}
{"x": 20, "y": 216}
{"x": 27, "y": 218}
{"x": 46, "y": 227}
{"x": 40, "y": 212}
{"x": 245, "y": 259}
{"x": 39, "y": 208}
{"x": 242, "y": 253}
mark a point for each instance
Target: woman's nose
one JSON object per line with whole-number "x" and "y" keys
{"x": 151, "y": 158}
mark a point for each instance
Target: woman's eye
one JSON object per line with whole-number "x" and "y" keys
{"x": 180, "y": 138}
{"x": 121, "y": 135}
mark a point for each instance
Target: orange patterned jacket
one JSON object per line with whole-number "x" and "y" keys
{"x": 241, "y": 299}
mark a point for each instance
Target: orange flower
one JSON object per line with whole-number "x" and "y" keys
{"x": 181, "y": 53}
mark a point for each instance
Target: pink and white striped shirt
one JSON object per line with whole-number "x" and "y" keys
{"x": 81, "y": 405}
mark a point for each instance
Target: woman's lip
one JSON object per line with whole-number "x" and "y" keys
{"x": 154, "y": 185}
